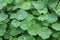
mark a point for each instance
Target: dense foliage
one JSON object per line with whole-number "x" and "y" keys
{"x": 29, "y": 20}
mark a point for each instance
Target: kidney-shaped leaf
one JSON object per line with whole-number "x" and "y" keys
{"x": 26, "y": 37}
{"x": 25, "y": 24}
{"x": 38, "y": 4}
{"x": 15, "y": 23}
{"x": 34, "y": 29}
{"x": 56, "y": 26}
{"x": 45, "y": 33}
{"x": 3, "y": 16}
{"x": 21, "y": 14}
{"x": 26, "y": 6}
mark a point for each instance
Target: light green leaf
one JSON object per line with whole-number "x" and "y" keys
{"x": 26, "y": 6}
{"x": 58, "y": 6}
{"x": 52, "y": 18}
{"x": 53, "y": 3}
{"x": 35, "y": 13}
{"x": 56, "y": 26}
{"x": 7, "y": 1}
{"x": 19, "y": 2}
{"x": 58, "y": 12}
{"x": 21, "y": 15}
{"x": 26, "y": 37}
{"x": 12, "y": 16}
{"x": 25, "y": 24}
{"x": 45, "y": 32}
{"x": 15, "y": 23}
{"x": 2, "y": 4}
{"x": 34, "y": 29}
{"x": 43, "y": 17}
{"x": 30, "y": 17}
{"x": 15, "y": 39}
{"x": 3, "y": 16}
{"x": 43, "y": 11}
{"x": 38, "y": 4}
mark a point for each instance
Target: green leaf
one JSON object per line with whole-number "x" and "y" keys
{"x": 2, "y": 4}
{"x": 45, "y": 32}
{"x": 58, "y": 6}
{"x": 58, "y": 37}
{"x": 43, "y": 11}
{"x": 21, "y": 15}
{"x": 56, "y": 26}
{"x": 2, "y": 29}
{"x": 26, "y": 6}
{"x": 6, "y": 21}
{"x": 53, "y": 3}
{"x": 36, "y": 22}
{"x": 15, "y": 23}
{"x": 1, "y": 38}
{"x": 30, "y": 17}
{"x": 52, "y": 18}
{"x": 35, "y": 13}
{"x": 15, "y": 31}
{"x": 7, "y": 35}
{"x": 13, "y": 16}
{"x": 25, "y": 24}
{"x": 58, "y": 12}
{"x": 3, "y": 16}
{"x": 15, "y": 39}
{"x": 7, "y": 1}
{"x": 46, "y": 2}
{"x": 19, "y": 2}
{"x": 38, "y": 4}
{"x": 43, "y": 17}
{"x": 45, "y": 23}
{"x": 55, "y": 34}
{"x": 26, "y": 37}
{"x": 34, "y": 29}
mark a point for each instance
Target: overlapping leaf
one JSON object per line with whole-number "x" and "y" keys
{"x": 56, "y": 26}
{"x": 44, "y": 31}
{"x": 25, "y": 24}
{"x": 3, "y": 16}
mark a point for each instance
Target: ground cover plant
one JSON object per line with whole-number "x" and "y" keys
{"x": 29, "y": 20}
